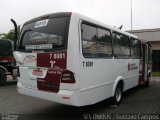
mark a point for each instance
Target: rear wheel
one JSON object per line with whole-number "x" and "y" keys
{"x": 3, "y": 77}
{"x": 116, "y": 100}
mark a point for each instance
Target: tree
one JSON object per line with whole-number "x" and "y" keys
{"x": 10, "y": 34}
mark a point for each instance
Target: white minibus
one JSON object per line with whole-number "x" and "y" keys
{"x": 71, "y": 59}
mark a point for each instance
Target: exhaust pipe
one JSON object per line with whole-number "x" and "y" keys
{"x": 15, "y": 34}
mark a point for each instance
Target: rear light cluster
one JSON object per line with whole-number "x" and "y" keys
{"x": 67, "y": 77}
{"x": 7, "y": 59}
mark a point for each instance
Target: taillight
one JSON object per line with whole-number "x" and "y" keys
{"x": 7, "y": 59}
{"x": 69, "y": 13}
{"x": 67, "y": 77}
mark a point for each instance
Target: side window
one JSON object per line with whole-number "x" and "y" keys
{"x": 121, "y": 45}
{"x": 96, "y": 42}
{"x": 135, "y": 48}
{"x": 89, "y": 38}
{"x": 104, "y": 43}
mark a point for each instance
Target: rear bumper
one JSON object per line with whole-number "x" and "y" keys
{"x": 63, "y": 96}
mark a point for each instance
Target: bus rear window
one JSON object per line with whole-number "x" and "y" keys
{"x": 45, "y": 34}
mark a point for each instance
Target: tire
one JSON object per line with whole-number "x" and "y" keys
{"x": 3, "y": 77}
{"x": 116, "y": 100}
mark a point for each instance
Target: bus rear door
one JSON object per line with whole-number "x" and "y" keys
{"x": 144, "y": 62}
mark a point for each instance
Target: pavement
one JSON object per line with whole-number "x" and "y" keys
{"x": 156, "y": 78}
{"x": 137, "y": 103}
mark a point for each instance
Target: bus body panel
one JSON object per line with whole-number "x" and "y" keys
{"x": 73, "y": 53}
{"x": 132, "y": 73}
{"x": 63, "y": 96}
{"x": 99, "y": 79}
{"x": 95, "y": 78}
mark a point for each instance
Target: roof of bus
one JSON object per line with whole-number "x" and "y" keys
{"x": 103, "y": 25}
{"x": 65, "y": 14}
{"x": 48, "y": 16}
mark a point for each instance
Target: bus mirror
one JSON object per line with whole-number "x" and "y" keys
{"x": 15, "y": 33}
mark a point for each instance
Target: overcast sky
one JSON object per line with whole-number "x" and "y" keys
{"x": 146, "y": 13}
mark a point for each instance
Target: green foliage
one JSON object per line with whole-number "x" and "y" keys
{"x": 156, "y": 74}
{"x": 10, "y": 34}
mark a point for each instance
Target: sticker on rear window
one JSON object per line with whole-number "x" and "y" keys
{"x": 42, "y": 46}
{"x": 41, "y": 23}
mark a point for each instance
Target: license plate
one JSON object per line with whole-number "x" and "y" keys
{"x": 37, "y": 73}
